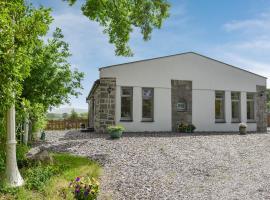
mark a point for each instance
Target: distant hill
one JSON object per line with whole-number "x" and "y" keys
{"x": 65, "y": 113}
{"x": 67, "y": 110}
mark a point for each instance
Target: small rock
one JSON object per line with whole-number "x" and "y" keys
{"x": 40, "y": 154}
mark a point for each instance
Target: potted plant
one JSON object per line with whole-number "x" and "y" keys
{"x": 242, "y": 128}
{"x": 186, "y": 128}
{"x": 115, "y": 131}
{"x": 191, "y": 128}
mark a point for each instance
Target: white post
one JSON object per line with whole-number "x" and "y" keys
{"x": 13, "y": 176}
{"x": 26, "y": 130}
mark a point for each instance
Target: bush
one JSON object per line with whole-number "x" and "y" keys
{"x": 186, "y": 128}
{"x": 2, "y": 160}
{"x": 37, "y": 177}
{"x": 242, "y": 125}
{"x": 85, "y": 188}
{"x": 22, "y": 150}
{"x": 116, "y": 128}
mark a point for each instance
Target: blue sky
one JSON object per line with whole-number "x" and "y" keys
{"x": 236, "y": 32}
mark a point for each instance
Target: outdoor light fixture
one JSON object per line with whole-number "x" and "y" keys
{"x": 109, "y": 89}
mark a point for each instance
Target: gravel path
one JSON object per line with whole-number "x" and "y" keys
{"x": 175, "y": 166}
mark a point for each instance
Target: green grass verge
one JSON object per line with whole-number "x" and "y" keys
{"x": 52, "y": 181}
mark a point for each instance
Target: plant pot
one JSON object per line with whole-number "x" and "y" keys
{"x": 243, "y": 130}
{"x": 116, "y": 134}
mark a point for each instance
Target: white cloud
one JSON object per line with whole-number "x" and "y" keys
{"x": 262, "y": 22}
{"x": 250, "y": 44}
{"x": 257, "y": 44}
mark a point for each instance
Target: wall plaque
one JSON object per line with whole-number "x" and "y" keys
{"x": 181, "y": 106}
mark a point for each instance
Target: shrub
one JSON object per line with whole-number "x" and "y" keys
{"x": 21, "y": 150}
{"x": 242, "y": 125}
{"x": 37, "y": 177}
{"x": 2, "y": 161}
{"x": 85, "y": 188}
{"x": 186, "y": 128}
{"x": 115, "y": 128}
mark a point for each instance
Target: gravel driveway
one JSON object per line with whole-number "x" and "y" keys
{"x": 175, "y": 166}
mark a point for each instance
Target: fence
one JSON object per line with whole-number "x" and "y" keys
{"x": 65, "y": 124}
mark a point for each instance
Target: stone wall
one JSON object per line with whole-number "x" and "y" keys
{"x": 106, "y": 107}
{"x": 96, "y": 97}
{"x": 181, "y": 91}
{"x": 261, "y": 109}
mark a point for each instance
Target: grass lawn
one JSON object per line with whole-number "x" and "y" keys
{"x": 52, "y": 181}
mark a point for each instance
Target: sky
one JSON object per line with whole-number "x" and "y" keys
{"x": 235, "y": 32}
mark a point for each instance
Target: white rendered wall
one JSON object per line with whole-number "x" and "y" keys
{"x": 203, "y": 109}
{"x": 206, "y": 75}
{"x": 162, "y": 111}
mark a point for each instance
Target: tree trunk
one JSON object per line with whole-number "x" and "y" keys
{"x": 13, "y": 176}
{"x": 26, "y": 130}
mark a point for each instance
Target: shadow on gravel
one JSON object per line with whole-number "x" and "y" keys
{"x": 77, "y": 135}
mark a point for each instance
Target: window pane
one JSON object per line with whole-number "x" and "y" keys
{"x": 235, "y": 96}
{"x": 250, "y": 110}
{"x": 250, "y": 96}
{"x": 127, "y": 91}
{"x": 147, "y": 108}
{"x": 219, "y": 106}
{"x": 147, "y": 103}
{"x": 126, "y": 107}
{"x": 250, "y": 106}
{"x": 147, "y": 93}
{"x": 219, "y": 109}
{"x": 219, "y": 95}
{"x": 235, "y": 110}
{"x": 126, "y": 103}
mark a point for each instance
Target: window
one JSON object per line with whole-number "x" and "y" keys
{"x": 219, "y": 106}
{"x": 147, "y": 104}
{"x": 126, "y": 103}
{"x": 250, "y": 106}
{"x": 236, "y": 107}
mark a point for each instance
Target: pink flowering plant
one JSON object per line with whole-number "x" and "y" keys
{"x": 85, "y": 188}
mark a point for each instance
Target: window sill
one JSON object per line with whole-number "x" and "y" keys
{"x": 126, "y": 120}
{"x": 220, "y": 122}
{"x": 236, "y": 122}
{"x": 147, "y": 121}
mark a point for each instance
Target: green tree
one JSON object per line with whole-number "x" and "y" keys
{"x": 21, "y": 28}
{"x": 120, "y": 17}
{"x": 74, "y": 114}
{"x": 52, "y": 81}
{"x": 65, "y": 115}
{"x": 84, "y": 115}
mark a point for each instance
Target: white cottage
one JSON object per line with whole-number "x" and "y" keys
{"x": 157, "y": 94}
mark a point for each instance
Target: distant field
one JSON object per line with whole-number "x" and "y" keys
{"x": 59, "y": 116}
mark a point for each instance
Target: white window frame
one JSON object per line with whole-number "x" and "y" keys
{"x": 236, "y": 120}
{"x": 131, "y": 102}
{"x": 251, "y": 100}
{"x": 223, "y": 120}
{"x": 151, "y": 119}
